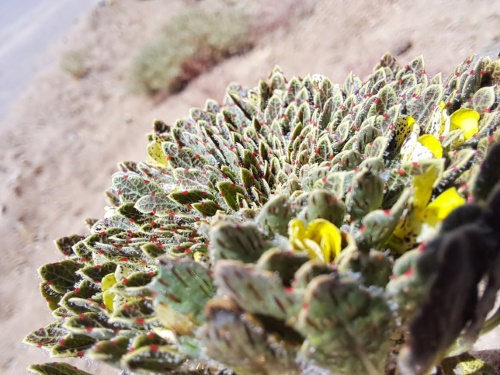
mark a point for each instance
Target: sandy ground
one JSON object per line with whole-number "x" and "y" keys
{"x": 61, "y": 141}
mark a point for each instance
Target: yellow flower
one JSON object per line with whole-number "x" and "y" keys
{"x": 433, "y": 144}
{"x": 441, "y": 207}
{"x": 422, "y": 185}
{"x": 437, "y": 210}
{"x": 156, "y": 154}
{"x": 108, "y": 297}
{"x": 465, "y": 119}
{"x": 321, "y": 239}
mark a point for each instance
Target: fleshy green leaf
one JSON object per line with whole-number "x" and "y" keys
{"x": 56, "y": 368}
{"x": 61, "y": 276}
{"x": 185, "y": 286}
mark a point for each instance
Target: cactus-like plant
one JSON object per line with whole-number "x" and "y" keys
{"x": 300, "y": 226}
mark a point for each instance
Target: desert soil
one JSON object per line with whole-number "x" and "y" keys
{"x": 62, "y": 139}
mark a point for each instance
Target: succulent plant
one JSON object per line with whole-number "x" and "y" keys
{"x": 299, "y": 226}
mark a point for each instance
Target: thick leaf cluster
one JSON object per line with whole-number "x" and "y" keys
{"x": 194, "y": 266}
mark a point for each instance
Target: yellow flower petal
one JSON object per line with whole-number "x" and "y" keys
{"x": 465, "y": 119}
{"x": 321, "y": 239}
{"x": 419, "y": 152}
{"x": 327, "y": 236}
{"x": 108, "y": 299}
{"x": 404, "y": 127}
{"x": 422, "y": 185}
{"x": 314, "y": 250}
{"x": 296, "y": 231}
{"x": 156, "y": 154}
{"x": 108, "y": 281}
{"x": 440, "y": 207}
{"x": 433, "y": 144}
{"x": 297, "y": 235}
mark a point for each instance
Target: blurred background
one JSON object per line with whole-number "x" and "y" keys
{"x": 81, "y": 82}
